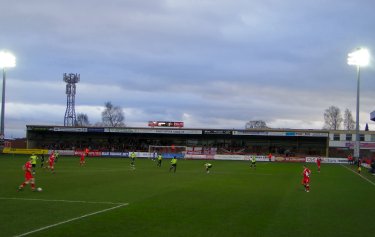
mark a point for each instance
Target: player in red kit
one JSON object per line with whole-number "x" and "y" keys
{"x": 29, "y": 178}
{"x": 51, "y": 162}
{"x": 82, "y": 159}
{"x": 306, "y": 178}
{"x": 318, "y": 161}
{"x": 270, "y": 157}
{"x": 87, "y": 151}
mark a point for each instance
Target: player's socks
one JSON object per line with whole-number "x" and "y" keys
{"x": 33, "y": 187}
{"x": 20, "y": 188}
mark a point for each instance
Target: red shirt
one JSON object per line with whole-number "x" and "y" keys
{"x": 52, "y": 158}
{"x": 318, "y": 161}
{"x": 28, "y": 167}
{"x": 306, "y": 172}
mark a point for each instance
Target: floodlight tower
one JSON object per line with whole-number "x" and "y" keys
{"x": 359, "y": 58}
{"x": 7, "y": 60}
{"x": 71, "y": 80}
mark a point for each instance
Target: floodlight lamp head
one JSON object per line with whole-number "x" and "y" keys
{"x": 71, "y": 78}
{"x": 360, "y": 57}
{"x": 7, "y": 59}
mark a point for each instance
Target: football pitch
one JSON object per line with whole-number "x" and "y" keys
{"x": 109, "y": 198}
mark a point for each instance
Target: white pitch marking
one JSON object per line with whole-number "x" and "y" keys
{"x": 69, "y": 201}
{"x": 359, "y": 175}
{"x": 70, "y": 220}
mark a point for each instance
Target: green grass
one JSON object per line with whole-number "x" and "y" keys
{"x": 233, "y": 200}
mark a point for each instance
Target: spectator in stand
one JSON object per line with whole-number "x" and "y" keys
{"x": 350, "y": 159}
{"x": 372, "y": 169}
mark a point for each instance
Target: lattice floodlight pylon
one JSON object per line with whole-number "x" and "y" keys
{"x": 71, "y": 80}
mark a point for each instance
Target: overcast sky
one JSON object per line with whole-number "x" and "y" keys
{"x": 208, "y": 63}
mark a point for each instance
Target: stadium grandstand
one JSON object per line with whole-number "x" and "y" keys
{"x": 283, "y": 142}
{"x": 218, "y": 141}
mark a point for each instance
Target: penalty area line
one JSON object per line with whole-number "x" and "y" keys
{"x": 70, "y": 220}
{"x": 363, "y": 177}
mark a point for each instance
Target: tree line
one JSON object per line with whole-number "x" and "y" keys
{"x": 333, "y": 120}
{"x": 112, "y": 116}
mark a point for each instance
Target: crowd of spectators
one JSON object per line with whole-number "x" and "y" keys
{"x": 142, "y": 145}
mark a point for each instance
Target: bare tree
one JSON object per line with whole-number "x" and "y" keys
{"x": 82, "y": 120}
{"x": 349, "y": 123}
{"x": 255, "y": 124}
{"x": 112, "y": 116}
{"x": 332, "y": 118}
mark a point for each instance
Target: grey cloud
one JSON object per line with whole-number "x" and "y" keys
{"x": 214, "y": 63}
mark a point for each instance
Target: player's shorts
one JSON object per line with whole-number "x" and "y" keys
{"x": 28, "y": 176}
{"x": 306, "y": 180}
{"x": 51, "y": 164}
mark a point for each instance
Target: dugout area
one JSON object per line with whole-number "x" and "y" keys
{"x": 225, "y": 141}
